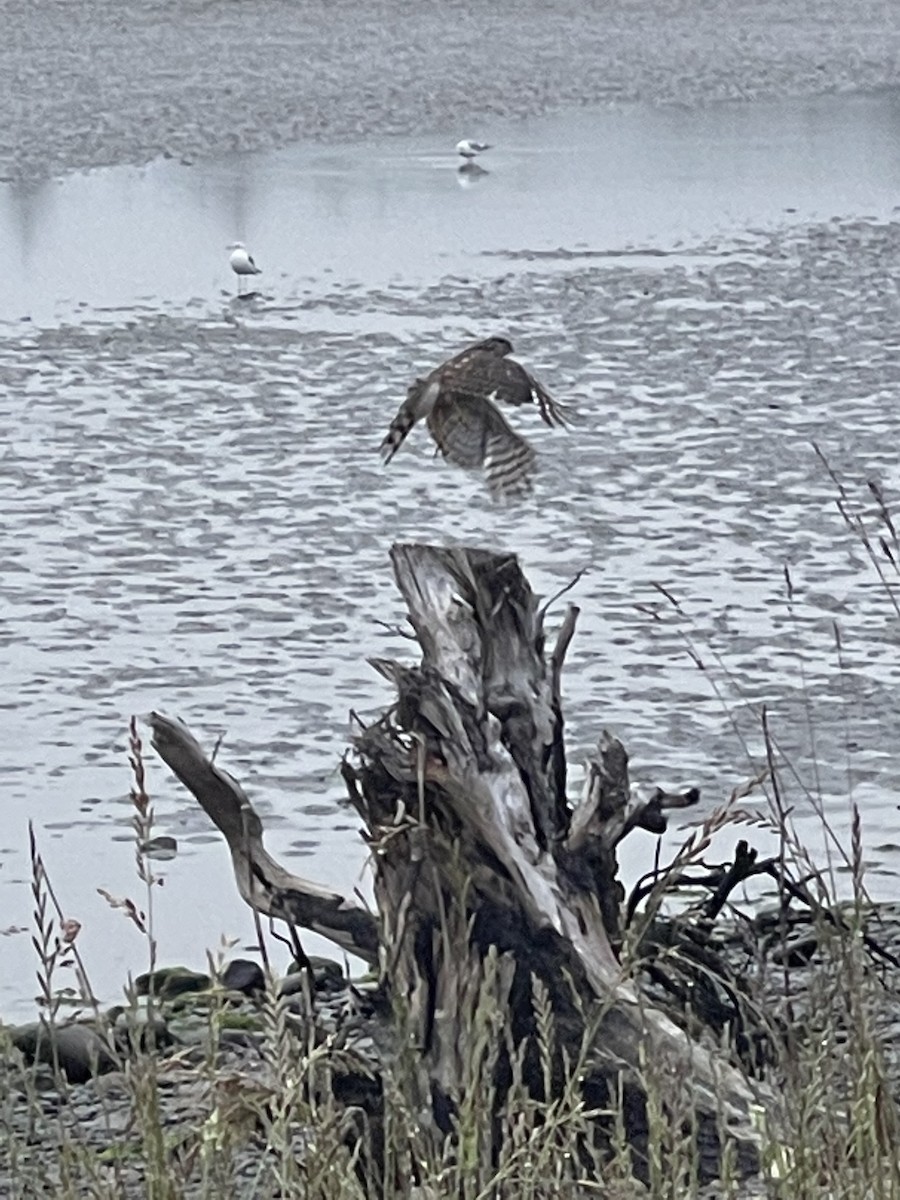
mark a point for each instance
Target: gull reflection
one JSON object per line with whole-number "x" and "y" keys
{"x": 470, "y": 173}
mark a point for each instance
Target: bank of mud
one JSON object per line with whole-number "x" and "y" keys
{"x": 103, "y": 82}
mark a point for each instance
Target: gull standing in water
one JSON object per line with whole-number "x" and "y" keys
{"x": 242, "y": 263}
{"x": 469, "y": 149}
{"x": 457, "y": 401}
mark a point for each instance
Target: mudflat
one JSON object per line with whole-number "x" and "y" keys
{"x": 86, "y": 83}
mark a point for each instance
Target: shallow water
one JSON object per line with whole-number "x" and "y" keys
{"x": 196, "y": 521}
{"x": 400, "y": 210}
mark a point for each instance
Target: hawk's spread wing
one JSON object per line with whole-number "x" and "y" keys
{"x": 487, "y": 372}
{"x": 472, "y": 433}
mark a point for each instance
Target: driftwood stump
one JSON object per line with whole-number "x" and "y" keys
{"x": 486, "y": 872}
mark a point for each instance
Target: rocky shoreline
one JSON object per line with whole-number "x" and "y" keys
{"x": 199, "y": 1053}
{"x": 210, "y": 1057}
{"x": 100, "y": 82}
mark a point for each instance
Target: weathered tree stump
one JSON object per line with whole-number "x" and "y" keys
{"x": 486, "y": 873}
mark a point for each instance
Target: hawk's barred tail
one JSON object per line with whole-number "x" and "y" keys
{"x": 420, "y": 398}
{"x": 509, "y": 465}
{"x": 396, "y": 435}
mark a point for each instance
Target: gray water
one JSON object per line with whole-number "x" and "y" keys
{"x": 400, "y": 211}
{"x": 195, "y": 518}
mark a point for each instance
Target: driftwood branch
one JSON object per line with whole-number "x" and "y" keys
{"x": 487, "y": 877}
{"x": 262, "y": 882}
{"x": 476, "y": 746}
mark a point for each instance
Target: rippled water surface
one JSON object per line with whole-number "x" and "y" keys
{"x": 195, "y": 518}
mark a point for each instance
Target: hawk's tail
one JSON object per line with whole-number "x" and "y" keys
{"x": 419, "y": 399}
{"x": 509, "y": 467}
{"x": 396, "y": 435}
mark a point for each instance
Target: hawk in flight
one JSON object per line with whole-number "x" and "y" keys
{"x": 457, "y": 402}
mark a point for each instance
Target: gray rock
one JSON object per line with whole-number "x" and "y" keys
{"x": 328, "y": 976}
{"x": 243, "y": 975}
{"x": 168, "y": 982}
{"x": 77, "y": 1049}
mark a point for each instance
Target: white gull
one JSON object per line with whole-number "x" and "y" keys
{"x": 468, "y": 148}
{"x": 242, "y": 262}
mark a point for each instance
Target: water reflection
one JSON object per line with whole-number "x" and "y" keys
{"x": 469, "y": 173}
{"x": 27, "y": 212}
{"x": 369, "y": 214}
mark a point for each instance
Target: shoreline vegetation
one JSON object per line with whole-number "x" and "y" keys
{"x": 525, "y": 1027}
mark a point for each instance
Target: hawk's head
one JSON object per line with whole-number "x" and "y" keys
{"x": 500, "y": 346}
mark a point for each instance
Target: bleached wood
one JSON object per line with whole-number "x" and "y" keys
{"x": 262, "y": 882}
{"x": 482, "y": 867}
{"x": 488, "y": 696}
